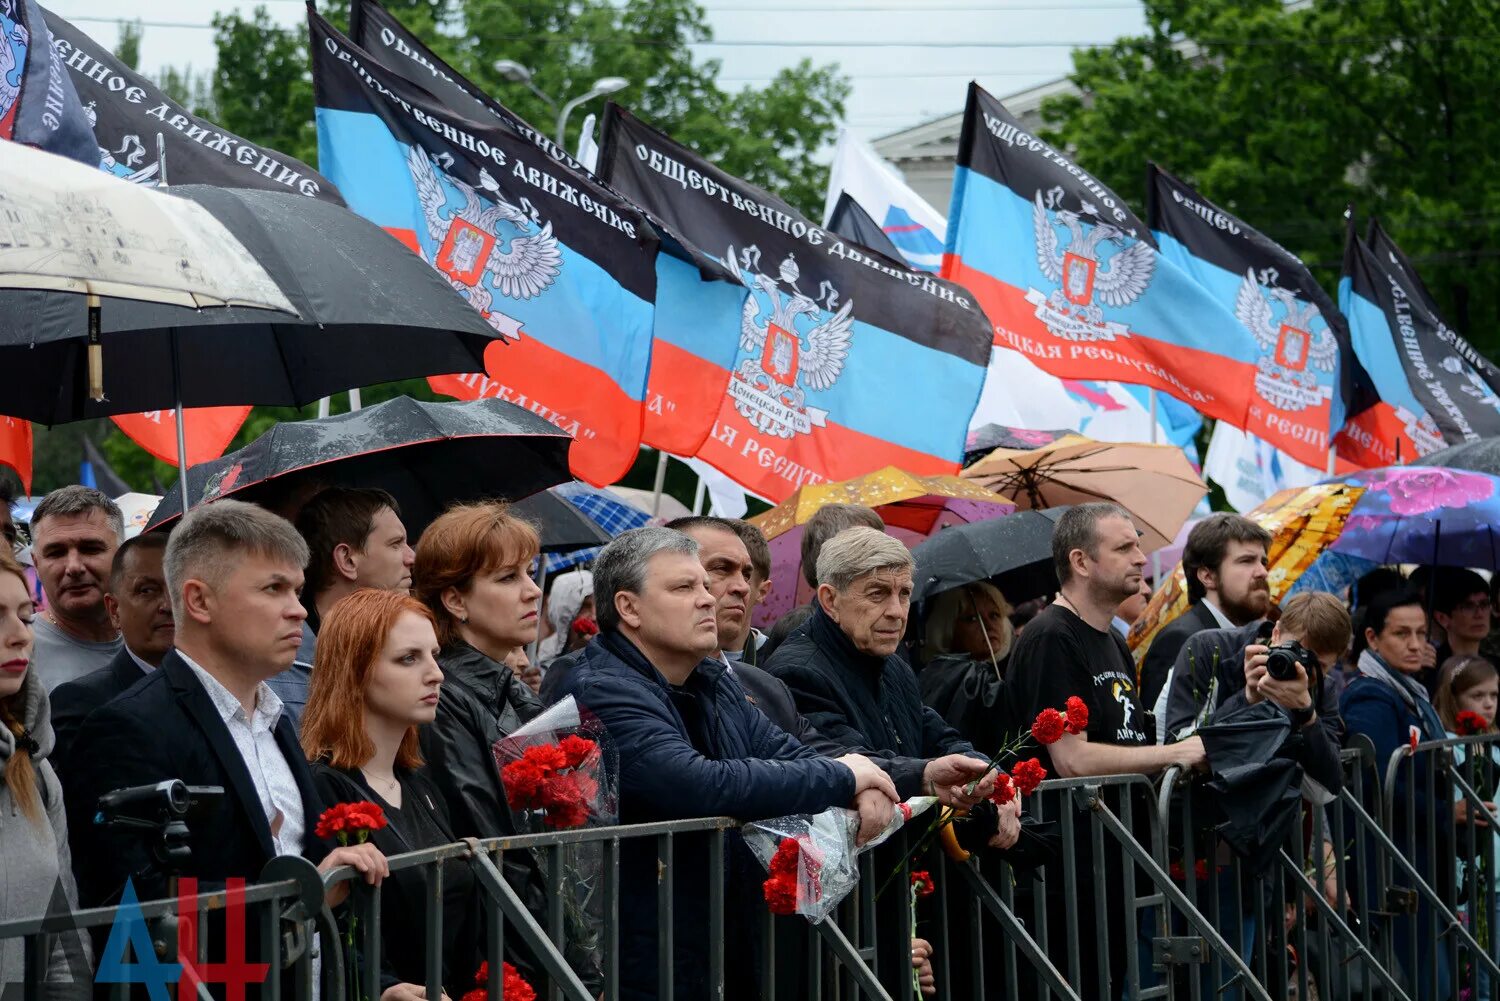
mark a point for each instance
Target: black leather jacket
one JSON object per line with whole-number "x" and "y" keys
{"x": 482, "y": 701}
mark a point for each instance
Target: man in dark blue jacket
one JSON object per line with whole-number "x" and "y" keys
{"x": 689, "y": 745}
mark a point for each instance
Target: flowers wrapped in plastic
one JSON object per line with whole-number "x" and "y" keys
{"x": 560, "y": 772}
{"x": 812, "y": 859}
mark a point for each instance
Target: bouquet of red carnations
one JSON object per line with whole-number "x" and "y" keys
{"x": 812, "y": 859}
{"x": 557, "y": 772}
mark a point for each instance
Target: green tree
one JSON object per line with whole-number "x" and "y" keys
{"x": 128, "y": 48}
{"x": 1285, "y": 113}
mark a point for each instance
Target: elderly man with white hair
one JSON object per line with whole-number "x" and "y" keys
{"x": 849, "y": 681}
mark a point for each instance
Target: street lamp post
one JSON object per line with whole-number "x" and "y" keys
{"x": 514, "y": 71}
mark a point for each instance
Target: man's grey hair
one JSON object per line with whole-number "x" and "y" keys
{"x": 855, "y": 552}
{"x": 205, "y": 545}
{"x": 621, "y": 566}
{"x": 1078, "y": 528}
{"x": 76, "y": 499}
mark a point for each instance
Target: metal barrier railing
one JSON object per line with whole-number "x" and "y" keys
{"x": 1140, "y": 903}
{"x": 1439, "y": 940}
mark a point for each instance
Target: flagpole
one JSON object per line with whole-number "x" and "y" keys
{"x": 661, "y": 481}
{"x": 698, "y": 495}
{"x": 1156, "y": 554}
{"x": 182, "y": 463}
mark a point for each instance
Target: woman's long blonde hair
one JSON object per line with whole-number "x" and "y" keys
{"x": 948, "y": 606}
{"x": 20, "y": 771}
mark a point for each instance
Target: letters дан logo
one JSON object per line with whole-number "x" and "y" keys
{"x": 1082, "y": 273}
{"x": 769, "y": 388}
{"x": 488, "y": 246}
{"x": 1293, "y": 349}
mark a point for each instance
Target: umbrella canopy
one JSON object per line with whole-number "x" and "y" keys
{"x": 370, "y": 311}
{"x": 987, "y": 437}
{"x": 1482, "y": 456}
{"x": 428, "y": 455}
{"x": 916, "y": 503}
{"x": 668, "y": 508}
{"x": 1014, "y": 553}
{"x": 1155, "y": 483}
{"x": 912, "y": 507}
{"x": 607, "y": 510}
{"x": 67, "y": 228}
{"x": 1303, "y": 522}
{"x": 564, "y": 529}
{"x": 137, "y": 510}
{"x": 1429, "y": 516}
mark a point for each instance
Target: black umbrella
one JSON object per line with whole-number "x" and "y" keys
{"x": 371, "y": 311}
{"x": 1014, "y": 552}
{"x": 1251, "y": 793}
{"x": 1482, "y": 456}
{"x": 428, "y": 455}
{"x": 562, "y": 526}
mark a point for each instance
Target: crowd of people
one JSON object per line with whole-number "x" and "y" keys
{"x": 299, "y": 664}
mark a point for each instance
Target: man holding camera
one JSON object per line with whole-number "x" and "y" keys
{"x": 1221, "y": 670}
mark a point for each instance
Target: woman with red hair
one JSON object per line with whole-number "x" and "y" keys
{"x": 375, "y": 681}
{"x": 473, "y": 572}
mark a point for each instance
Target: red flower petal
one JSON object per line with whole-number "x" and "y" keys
{"x": 1049, "y": 726}
{"x": 1027, "y": 775}
{"x": 1078, "y": 715}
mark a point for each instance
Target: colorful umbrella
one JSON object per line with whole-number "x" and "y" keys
{"x": 912, "y": 507}
{"x": 1155, "y": 483}
{"x": 1303, "y": 522}
{"x": 1429, "y": 516}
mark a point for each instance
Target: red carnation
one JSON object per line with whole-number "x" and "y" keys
{"x": 921, "y": 882}
{"x": 781, "y": 894}
{"x": 1413, "y": 737}
{"x": 1078, "y": 715}
{"x": 1176, "y": 871}
{"x": 523, "y": 784}
{"x": 1470, "y": 723}
{"x": 576, "y": 749}
{"x": 547, "y": 757}
{"x": 1027, "y": 775}
{"x": 785, "y": 859}
{"x": 1004, "y": 790}
{"x": 344, "y": 820}
{"x": 514, "y": 985}
{"x": 1200, "y": 869}
{"x": 1049, "y": 726}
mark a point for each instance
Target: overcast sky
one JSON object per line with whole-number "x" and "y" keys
{"x": 909, "y": 62}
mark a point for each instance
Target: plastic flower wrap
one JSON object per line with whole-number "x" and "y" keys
{"x": 560, "y": 772}
{"x": 812, "y": 860}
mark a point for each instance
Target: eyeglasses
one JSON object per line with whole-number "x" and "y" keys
{"x": 1477, "y": 606}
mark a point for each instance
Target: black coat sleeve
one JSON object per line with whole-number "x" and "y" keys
{"x": 113, "y": 749}
{"x": 462, "y": 766}
{"x": 1160, "y": 656}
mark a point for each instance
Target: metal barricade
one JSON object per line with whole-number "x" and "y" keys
{"x": 1441, "y": 847}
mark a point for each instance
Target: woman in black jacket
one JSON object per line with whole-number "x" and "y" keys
{"x": 374, "y": 682}
{"x": 472, "y": 572}
{"x": 966, "y": 644}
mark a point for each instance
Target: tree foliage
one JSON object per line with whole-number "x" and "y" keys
{"x": 1284, "y": 113}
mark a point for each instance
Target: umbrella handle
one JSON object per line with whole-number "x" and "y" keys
{"x": 95, "y": 352}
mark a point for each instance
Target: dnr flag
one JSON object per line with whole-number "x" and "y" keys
{"x": 698, "y": 300}
{"x": 1071, "y": 279}
{"x": 38, "y": 105}
{"x": 134, "y": 121}
{"x": 848, "y": 360}
{"x": 565, "y": 272}
{"x": 1305, "y": 374}
{"x": 1435, "y": 389}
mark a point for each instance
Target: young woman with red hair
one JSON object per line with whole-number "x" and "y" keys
{"x": 375, "y": 681}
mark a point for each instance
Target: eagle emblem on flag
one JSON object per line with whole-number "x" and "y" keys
{"x": 486, "y": 247}
{"x": 1294, "y": 347}
{"x": 1086, "y": 278}
{"x": 790, "y": 343}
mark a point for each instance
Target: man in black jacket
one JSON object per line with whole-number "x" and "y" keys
{"x": 1225, "y": 563}
{"x": 207, "y": 718}
{"x": 848, "y": 680}
{"x": 1221, "y": 670}
{"x": 140, "y": 607}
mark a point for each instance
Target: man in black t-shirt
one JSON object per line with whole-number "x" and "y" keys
{"x": 1070, "y": 649}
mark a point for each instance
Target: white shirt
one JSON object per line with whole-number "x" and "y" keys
{"x": 145, "y": 667}
{"x": 1219, "y": 617}
{"x": 255, "y": 738}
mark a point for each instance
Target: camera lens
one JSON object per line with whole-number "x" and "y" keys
{"x": 177, "y": 796}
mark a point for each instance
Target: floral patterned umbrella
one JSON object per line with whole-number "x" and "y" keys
{"x": 1303, "y": 522}
{"x": 913, "y": 508}
{"x": 1429, "y": 516}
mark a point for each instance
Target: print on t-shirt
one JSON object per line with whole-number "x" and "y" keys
{"x": 1123, "y": 722}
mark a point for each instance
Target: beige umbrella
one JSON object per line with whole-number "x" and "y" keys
{"x": 1155, "y": 483}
